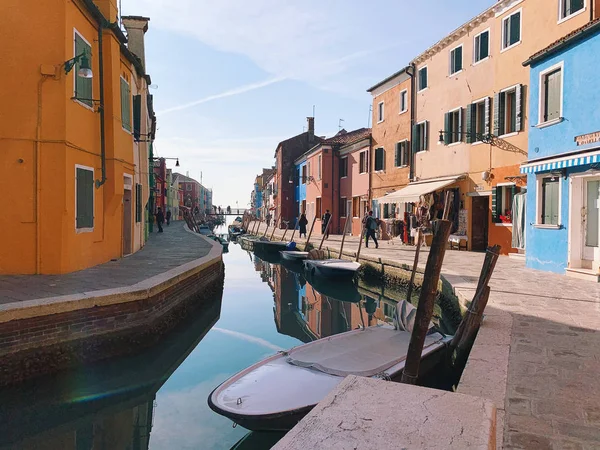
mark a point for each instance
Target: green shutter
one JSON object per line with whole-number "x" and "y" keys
{"x": 137, "y": 116}
{"x": 84, "y": 214}
{"x": 458, "y": 59}
{"x": 459, "y": 138}
{"x": 484, "y": 45}
{"x": 447, "y": 130}
{"x": 125, "y": 105}
{"x": 425, "y": 135}
{"x": 515, "y": 28}
{"x": 487, "y": 116}
{"x": 519, "y": 107}
{"x": 379, "y": 159}
{"x": 496, "y": 193}
{"x": 138, "y": 202}
{"x": 83, "y": 86}
{"x": 470, "y": 131}
{"x": 397, "y": 156}
{"x": 415, "y": 139}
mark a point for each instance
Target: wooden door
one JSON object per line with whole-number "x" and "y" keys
{"x": 479, "y": 223}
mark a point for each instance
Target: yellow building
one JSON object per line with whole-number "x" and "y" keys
{"x": 74, "y": 156}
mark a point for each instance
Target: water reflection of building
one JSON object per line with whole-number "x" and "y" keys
{"x": 105, "y": 406}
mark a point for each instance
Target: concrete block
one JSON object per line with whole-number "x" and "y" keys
{"x": 365, "y": 413}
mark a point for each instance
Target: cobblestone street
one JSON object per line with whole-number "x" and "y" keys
{"x": 537, "y": 354}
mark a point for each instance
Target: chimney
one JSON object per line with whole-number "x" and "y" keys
{"x": 136, "y": 27}
{"x": 311, "y": 128}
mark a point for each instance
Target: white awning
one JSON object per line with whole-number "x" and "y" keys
{"x": 413, "y": 192}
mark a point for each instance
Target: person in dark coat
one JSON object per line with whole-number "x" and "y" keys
{"x": 325, "y": 221}
{"x": 302, "y": 224}
{"x": 168, "y": 217}
{"x": 160, "y": 219}
{"x": 370, "y": 228}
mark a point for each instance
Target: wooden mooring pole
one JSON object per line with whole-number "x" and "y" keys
{"x": 362, "y": 234}
{"x": 427, "y": 297}
{"x": 325, "y": 233}
{"x": 275, "y": 227}
{"x": 293, "y": 232}
{"x": 344, "y": 231}
{"x": 266, "y": 229}
{"x": 415, "y": 264}
{"x": 310, "y": 232}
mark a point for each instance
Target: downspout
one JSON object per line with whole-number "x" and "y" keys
{"x": 333, "y": 150}
{"x": 411, "y": 72}
{"x": 101, "y": 107}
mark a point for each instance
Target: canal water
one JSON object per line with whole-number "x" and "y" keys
{"x": 158, "y": 399}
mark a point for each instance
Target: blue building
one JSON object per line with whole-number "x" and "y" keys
{"x": 563, "y": 171}
{"x": 257, "y": 199}
{"x": 300, "y": 185}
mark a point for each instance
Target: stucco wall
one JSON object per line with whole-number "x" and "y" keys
{"x": 356, "y": 184}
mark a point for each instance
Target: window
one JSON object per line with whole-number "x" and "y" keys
{"x": 83, "y": 86}
{"x": 380, "y": 116}
{"x": 319, "y": 166}
{"x": 308, "y": 173}
{"x": 481, "y": 46}
{"x": 548, "y": 201}
{"x": 304, "y": 174}
{"x": 84, "y": 198}
{"x": 343, "y": 207}
{"x": 355, "y": 206}
{"x": 511, "y": 30}
{"x": 420, "y": 137}
{"x": 569, "y": 8}
{"x": 379, "y": 159}
{"x": 401, "y": 158}
{"x": 363, "y": 162}
{"x": 478, "y": 120}
{"x": 403, "y": 101}
{"x": 344, "y": 167}
{"x": 125, "y": 105}
{"x": 389, "y": 210}
{"x": 137, "y": 116}
{"x": 188, "y": 187}
{"x": 453, "y": 126}
{"x": 456, "y": 60}
{"x": 550, "y": 94}
{"x": 318, "y": 212}
{"x": 502, "y": 200}
{"x": 507, "y": 111}
{"x": 138, "y": 202}
{"x": 423, "y": 79}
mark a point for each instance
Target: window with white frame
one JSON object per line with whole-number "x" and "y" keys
{"x": 481, "y": 46}
{"x": 404, "y": 101}
{"x": 379, "y": 159}
{"x": 551, "y": 92}
{"x": 422, "y": 81}
{"x": 380, "y": 112}
{"x": 548, "y": 200}
{"x": 453, "y": 126}
{"x": 569, "y": 8}
{"x": 421, "y": 137}
{"x": 83, "y": 86}
{"x": 477, "y": 120}
{"x": 125, "y": 105}
{"x": 319, "y": 167}
{"x": 456, "y": 60}
{"x": 401, "y": 157}
{"x": 508, "y": 111}
{"x": 511, "y": 30}
{"x": 502, "y": 200}
{"x": 363, "y": 162}
{"x": 84, "y": 198}
{"x": 343, "y": 167}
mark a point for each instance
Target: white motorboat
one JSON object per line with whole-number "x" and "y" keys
{"x": 331, "y": 268}
{"x": 277, "y": 392}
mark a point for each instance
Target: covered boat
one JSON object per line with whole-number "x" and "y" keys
{"x": 276, "y": 393}
{"x": 331, "y": 268}
{"x": 293, "y": 255}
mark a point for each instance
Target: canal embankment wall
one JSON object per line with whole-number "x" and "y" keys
{"x": 42, "y": 336}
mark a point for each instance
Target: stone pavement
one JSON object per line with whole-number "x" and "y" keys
{"x": 162, "y": 252}
{"x": 537, "y": 355}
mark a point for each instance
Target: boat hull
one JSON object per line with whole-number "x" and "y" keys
{"x": 294, "y": 255}
{"x": 344, "y": 270}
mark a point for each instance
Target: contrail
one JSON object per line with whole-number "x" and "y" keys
{"x": 249, "y": 338}
{"x": 229, "y": 93}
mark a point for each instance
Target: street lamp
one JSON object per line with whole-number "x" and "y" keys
{"x": 160, "y": 157}
{"x": 84, "y": 66}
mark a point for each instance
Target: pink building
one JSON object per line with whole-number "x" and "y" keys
{"x": 354, "y": 181}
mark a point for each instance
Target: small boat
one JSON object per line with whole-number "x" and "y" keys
{"x": 269, "y": 246}
{"x": 331, "y": 268}
{"x": 204, "y": 230}
{"x": 277, "y": 392}
{"x": 292, "y": 255}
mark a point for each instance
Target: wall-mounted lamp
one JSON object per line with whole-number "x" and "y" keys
{"x": 84, "y": 66}
{"x": 160, "y": 157}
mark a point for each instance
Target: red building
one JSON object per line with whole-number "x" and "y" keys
{"x": 160, "y": 184}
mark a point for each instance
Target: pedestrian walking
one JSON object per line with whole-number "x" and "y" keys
{"x": 268, "y": 220}
{"x": 324, "y": 222}
{"x": 302, "y": 225}
{"x": 160, "y": 219}
{"x": 370, "y": 227}
{"x": 168, "y": 217}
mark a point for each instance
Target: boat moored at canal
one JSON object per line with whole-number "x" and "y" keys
{"x": 331, "y": 268}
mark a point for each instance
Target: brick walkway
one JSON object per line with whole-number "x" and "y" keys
{"x": 162, "y": 252}
{"x": 537, "y": 355}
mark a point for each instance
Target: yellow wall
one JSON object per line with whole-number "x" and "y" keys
{"x": 40, "y": 190}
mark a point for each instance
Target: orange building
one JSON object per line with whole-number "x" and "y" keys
{"x": 75, "y": 141}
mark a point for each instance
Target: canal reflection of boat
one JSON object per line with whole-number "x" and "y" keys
{"x": 269, "y": 246}
{"x": 270, "y": 257}
{"x": 331, "y": 268}
{"x": 345, "y": 291}
{"x": 293, "y": 266}
{"x": 258, "y": 440}
{"x": 112, "y": 401}
{"x": 294, "y": 255}
{"x": 274, "y": 394}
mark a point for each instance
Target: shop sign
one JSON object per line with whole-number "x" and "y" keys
{"x": 589, "y": 138}
{"x": 479, "y": 188}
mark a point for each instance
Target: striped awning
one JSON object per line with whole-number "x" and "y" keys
{"x": 562, "y": 162}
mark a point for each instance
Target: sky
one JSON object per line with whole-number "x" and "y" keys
{"x": 233, "y": 78}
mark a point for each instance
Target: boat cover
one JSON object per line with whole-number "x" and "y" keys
{"x": 365, "y": 353}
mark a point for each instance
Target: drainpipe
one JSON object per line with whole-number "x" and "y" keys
{"x": 411, "y": 72}
{"x": 101, "y": 108}
{"x": 332, "y": 179}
